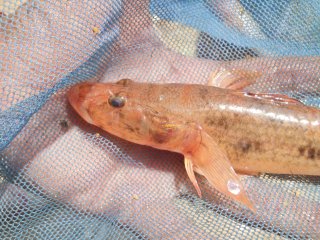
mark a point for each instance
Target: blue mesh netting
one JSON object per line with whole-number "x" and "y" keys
{"x": 63, "y": 179}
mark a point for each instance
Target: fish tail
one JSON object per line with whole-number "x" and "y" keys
{"x": 209, "y": 160}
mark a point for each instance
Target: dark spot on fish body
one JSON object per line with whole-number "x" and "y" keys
{"x": 209, "y": 121}
{"x": 218, "y": 121}
{"x": 301, "y": 150}
{"x": 203, "y": 93}
{"x": 223, "y": 122}
{"x": 311, "y": 153}
{"x": 236, "y": 115}
{"x": 244, "y": 145}
{"x": 128, "y": 127}
{"x": 257, "y": 146}
{"x": 160, "y": 137}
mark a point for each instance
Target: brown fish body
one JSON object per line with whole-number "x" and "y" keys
{"x": 217, "y": 130}
{"x": 258, "y": 135}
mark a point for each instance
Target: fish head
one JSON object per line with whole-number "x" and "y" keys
{"x": 120, "y": 109}
{"x": 116, "y": 108}
{"x": 106, "y": 105}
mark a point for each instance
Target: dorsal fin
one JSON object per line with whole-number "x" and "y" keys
{"x": 124, "y": 82}
{"x": 235, "y": 79}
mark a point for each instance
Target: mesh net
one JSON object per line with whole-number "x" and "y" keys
{"x": 63, "y": 179}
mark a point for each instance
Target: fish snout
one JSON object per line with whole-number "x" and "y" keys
{"x": 77, "y": 96}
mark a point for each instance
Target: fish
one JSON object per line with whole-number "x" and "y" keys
{"x": 222, "y": 132}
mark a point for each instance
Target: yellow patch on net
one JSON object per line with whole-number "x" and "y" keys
{"x": 96, "y": 30}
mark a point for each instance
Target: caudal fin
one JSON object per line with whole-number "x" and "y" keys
{"x": 209, "y": 160}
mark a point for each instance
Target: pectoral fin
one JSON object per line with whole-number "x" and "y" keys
{"x": 212, "y": 162}
{"x": 235, "y": 79}
{"x": 190, "y": 171}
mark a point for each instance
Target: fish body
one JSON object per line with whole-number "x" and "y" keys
{"x": 259, "y": 135}
{"x": 217, "y": 130}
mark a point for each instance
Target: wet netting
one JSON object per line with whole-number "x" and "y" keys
{"x": 61, "y": 178}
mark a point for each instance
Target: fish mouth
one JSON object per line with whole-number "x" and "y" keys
{"x": 77, "y": 96}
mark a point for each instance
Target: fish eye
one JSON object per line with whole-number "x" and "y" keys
{"x": 117, "y": 101}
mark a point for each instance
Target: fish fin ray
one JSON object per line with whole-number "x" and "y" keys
{"x": 189, "y": 167}
{"x": 213, "y": 163}
{"x": 197, "y": 170}
{"x": 235, "y": 79}
{"x": 124, "y": 82}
